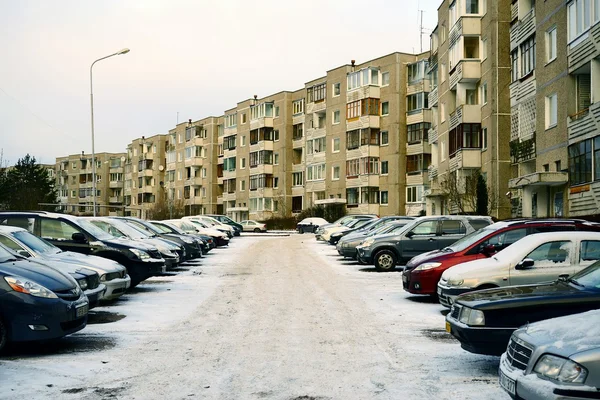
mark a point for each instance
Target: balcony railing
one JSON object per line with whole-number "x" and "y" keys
{"x": 521, "y": 151}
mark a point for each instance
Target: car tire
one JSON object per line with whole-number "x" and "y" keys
{"x": 385, "y": 260}
{"x": 3, "y": 335}
{"x": 256, "y": 230}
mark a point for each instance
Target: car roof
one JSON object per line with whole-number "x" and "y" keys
{"x": 35, "y": 213}
{"x": 10, "y": 229}
{"x": 561, "y": 235}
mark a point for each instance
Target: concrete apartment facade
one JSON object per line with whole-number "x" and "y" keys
{"x": 74, "y": 183}
{"x": 539, "y": 139}
{"x": 470, "y": 104}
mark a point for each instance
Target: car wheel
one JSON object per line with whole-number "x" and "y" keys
{"x": 256, "y": 230}
{"x": 3, "y": 334}
{"x": 385, "y": 260}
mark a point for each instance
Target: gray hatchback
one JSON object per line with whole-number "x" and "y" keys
{"x": 418, "y": 236}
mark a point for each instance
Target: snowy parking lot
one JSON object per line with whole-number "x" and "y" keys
{"x": 270, "y": 317}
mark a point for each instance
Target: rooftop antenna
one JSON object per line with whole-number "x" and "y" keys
{"x": 177, "y": 118}
{"x": 421, "y": 30}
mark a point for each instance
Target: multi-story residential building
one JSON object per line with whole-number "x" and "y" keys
{"x": 470, "y": 106}
{"x": 582, "y": 30}
{"x": 74, "y": 183}
{"x": 144, "y": 170}
{"x": 539, "y": 81}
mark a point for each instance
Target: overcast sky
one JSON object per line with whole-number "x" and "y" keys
{"x": 195, "y": 57}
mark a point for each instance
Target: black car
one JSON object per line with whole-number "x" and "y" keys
{"x": 71, "y": 233}
{"x": 483, "y": 321}
{"x": 228, "y": 221}
{"x": 37, "y": 302}
{"x": 205, "y": 242}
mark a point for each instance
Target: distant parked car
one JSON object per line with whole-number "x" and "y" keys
{"x": 423, "y": 272}
{"x": 351, "y": 224}
{"x": 483, "y": 321}
{"x": 310, "y": 225}
{"x": 347, "y": 220}
{"x": 111, "y": 274}
{"x": 201, "y": 241}
{"x": 38, "y": 302}
{"x": 253, "y": 226}
{"x": 421, "y": 235}
{"x": 71, "y": 233}
{"x": 213, "y": 223}
{"x": 557, "y": 358}
{"x": 369, "y": 226}
{"x": 537, "y": 258}
{"x": 197, "y": 226}
{"x": 227, "y": 221}
{"x": 346, "y": 247}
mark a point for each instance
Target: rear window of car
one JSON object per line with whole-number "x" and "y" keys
{"x": 479, "y": 223}
{"x": 590, "y": 250}
{"x": 453, "y": 227}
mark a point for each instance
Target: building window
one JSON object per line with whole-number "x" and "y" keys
{"x": 231, "y": 120}
{"x": 369, "y": 195}
{"x": 275, "y": 182}
{"x": 417, "y": 132}
{"x": 414, "y": 194}
{"x": 297, "y": 178}
{"x": 336, "y": 117}
{"x": 416, "y": 102}
{"x": 298, "y": 107}
{"x": 551, "y": 110}
{"x": 580, "y": 15}
{"x": 443, "y": 72}
{"x": 384, "y": 141}
{"x": 384, "y": 167}
{"x": 483, "y": 49}
{"x": 442, "y": 112}
{"x": 276, "y": 159}
{"x": 384, "y": 197}
{"x": 385, "y": 108}
{"x": 528, "y": 56}
{"x": 242, "y": 141}
{"x": 580, "y": 162}
{"x": 514, "y": 65}
{"x": 364, "y": 77}
{"x": 244, "y": 118}
{"x": 471, "y": 96}
{"x": 315, "y": 172}
{"x": 336, "y": 89}
{"x": 352, "y": 167}
{"x": 242, "y": 163}
{"x": 335, "y": 173}
{"x": 229, "y": 142}
{"x": 242, "y": 186}
{"x": 276, "y": 111}
{"x": 316, "y": 93}
{"x": 484, "y": 93}
{"x": 336, "y": 145}
{"x": 416, "y": 72}
{"x": 551, "y": 44}
{"x": 276, "y": 135}
{"x": 464, "y": 136}
{"x": 363, "y": 107}
{"x": 297, "y": 131}
{"x": 352, "y": 197}
{"x": 472, "y": 6}
{"x": 484, "y": 138}
{"x": 417, "y": 163}
{"x": 385, "y": 79}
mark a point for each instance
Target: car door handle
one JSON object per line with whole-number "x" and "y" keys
{"x": 431, "y": 239}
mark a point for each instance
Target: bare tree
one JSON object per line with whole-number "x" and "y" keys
{"x": 461, "y": 193}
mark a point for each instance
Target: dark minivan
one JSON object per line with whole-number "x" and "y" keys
{"x": 76, "y": 234}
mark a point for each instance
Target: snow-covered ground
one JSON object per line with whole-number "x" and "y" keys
{"x": 270, "y": 317}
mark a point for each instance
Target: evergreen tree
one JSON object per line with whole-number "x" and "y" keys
{"x": 26, "y": 185}
{"x": 482, "y": 196}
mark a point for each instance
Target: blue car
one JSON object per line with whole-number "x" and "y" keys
{"x": 37, "y": 302}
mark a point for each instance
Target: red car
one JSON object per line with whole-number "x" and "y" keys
{"x": 422, "y": 273}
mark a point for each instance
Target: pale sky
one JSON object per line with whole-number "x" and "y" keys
{"x": 195, "y": 57}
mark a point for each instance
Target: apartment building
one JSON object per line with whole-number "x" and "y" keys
{"x": 470, "y": 106}
{"x": 74, "y": 183}
{"x": 539, "y": 81}
{"x": 581, "y": 100}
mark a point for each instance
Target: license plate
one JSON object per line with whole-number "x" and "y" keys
{"x": 404, "y": 278}
{"x": 448, "y": 327}
{"x": 439, "y": 290}
{"x": 507, "y": 383}
{"x": 81, "y": 310}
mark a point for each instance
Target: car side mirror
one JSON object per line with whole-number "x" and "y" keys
{"x": 23, "y": 253}
{"x": 488, "y": 250}
{"x": 410, "y": 234}
{"x": 526, "y": 263}
{"x": 78, "y": 237}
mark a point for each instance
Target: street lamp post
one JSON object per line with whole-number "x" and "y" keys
{"x": 122, "y": 51}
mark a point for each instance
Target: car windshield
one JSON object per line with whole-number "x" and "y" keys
{"x": 93, "y": 229}
{"x": 35, "y": 243}
{"x": 129, "y": 230}
{"x": 5, "y": 254}
{"x": 164, "y": 228}
{"x": 589, "y": 277}
{"x": 140, "y": 226}
{"x": 471, "y": 238}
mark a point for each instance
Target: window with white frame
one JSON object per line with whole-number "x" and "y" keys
{"x": 230, "y": 120}
{"x": 315, "y": 172}
{"x": 483, "y": 49}
{"x": 335, "y": 145}
{"x": 472, "y": 6}
{"x": 484, "y": 138}
{"x": 417, "y": 71}
{"x": 551, "y": 44}
{"x": 364, "y": 77}
{"x": 484, "y": 93}
{"x": 453, "y": 14}
{"x": 442, "y": 112}
{"x": 385, "y": 108}
{"x": 297, "y": 178}
{"x": 551, "y": 110}
{"x": 384, "y": 167}
{"x": 414, "y": 194}
{"x": 298, "y": 107}
{"x": 335, "y": 173}
{"x": 528, "y": 56}
{"x": 336, "y": 117}
{"x": 337, "y": 89}
{"x": 582, "y": 13}
{"x": 443, "y": 72}
{"x": 276, "y": 159}
{"x": 514, "y": 65}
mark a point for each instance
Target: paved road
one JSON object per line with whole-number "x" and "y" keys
{"x": 287, "y": 319}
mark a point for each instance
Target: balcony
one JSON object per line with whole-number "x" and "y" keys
{"x": 298, "y": 167}
{"x": 195, "y": 181}
{"x": 584, "y": 123}
{"x": 298, "y": 142}
{"x": 422, "y": 147}
{"x": 220, "y": 199}
{"x": 194, "y": 162}
{"x": 522, "y": 150}
{"x": 115, "y": 184}
{"x": 465, "y": 159}
{"x": 433, "y": 97}
{"x": 432, "y": 172}
{"x": 584, "y": 49}
{"x": 522, "y": 29}
{"x": 466, "y": 71}
{"x": 147, "y": 189}
{"x": 433, "y": 135}
{"x": 229, "y": 174}
{"x": 362, "y": 180}
{"x": 416, "y": 116}
{"x": 263, "y": 122}
{"x": 366, "y": 121}
{"x": 261, "y": 169}
{"x": 421, "y": 85}
{"x": 465, "y": 114}
{"x": 147, "y": 173}
{"x": 116, "y": 170}
{"x": 466, "y": 25}
{"x": 316, "y": 107}
{"x": 363, "y": 92}
{"x": 262, "y": 145}
{"x": 115, "y": 199}
{"x": 539, "y": 179}
{"x": 417, "y": 178}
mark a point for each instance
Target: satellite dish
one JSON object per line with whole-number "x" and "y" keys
{"x": 122, "y": 158}
{"x": 160, "y": 167}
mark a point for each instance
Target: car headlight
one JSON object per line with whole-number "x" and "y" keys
{"x": 103, "y": 278}
{"x": 24, "y": 285}
{"x": 187, "y": 240}
{"x": 455, "y": 281}
{"x": 82, "y": 283}
{"x": 426, "y": 266}
{"x": 141, "y": 254}
{"x": 472, "y": 317}
{"x": 560, "y": 369}
{"x": 368, "y": 242}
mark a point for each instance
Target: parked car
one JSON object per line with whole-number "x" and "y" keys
{"x": 420, "y": 235}
{"x": 371, "y": 225}
{"x": 423, "y": 272}
{"x": 37, "y": 302}
{"x": 346, "y": 247}
{"x": 310, "y": 224}
{"x": 111, "y": 274}
{"x": 120, "y": 229}
{"x": 558, "y": 358}
{"x": 537, "y": 258}
{"x": 71, "y": 233}
{"x": 344, "y": 221}
{"x": 205, "y": 242}
{"x": 351, "y": 224}
{"x": 196, "y": 226}
{"x": 484, "y": 321}
{"x": 227, "y": 221}
{"x": 212, "y": 223}
{"x": 253, "y": 226}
